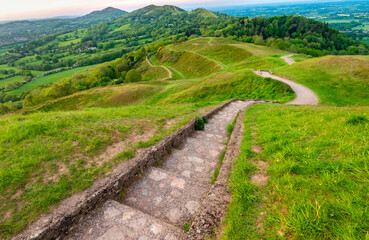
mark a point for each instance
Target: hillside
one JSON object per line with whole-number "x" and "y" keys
{"x": 338, "y": 80}
{"x": 49, "y": 153}
{"x": 149, "y": 28}
{"x": 68, "y": 133}
{"x": 23, "y": 31}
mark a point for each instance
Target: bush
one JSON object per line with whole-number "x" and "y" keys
{"x": 199, "y": 124}
{"x": 133, "y": 76}
{"x": 4, "y": 109}
{"x": 205, "y": 119}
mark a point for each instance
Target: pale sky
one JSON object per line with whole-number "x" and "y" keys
{"x": 28, "y": 9}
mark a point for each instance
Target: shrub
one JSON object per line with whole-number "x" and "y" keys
{"x": 133, "y": 76}
{"x": 4, "y": 109}
{"x": 199, "y": 124}
{"x": 205, "y": 119}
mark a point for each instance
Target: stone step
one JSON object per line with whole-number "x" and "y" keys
{"x": 196, "y": 161}
{"x": 166, "y": 195}
{"x": 115, "y": 221}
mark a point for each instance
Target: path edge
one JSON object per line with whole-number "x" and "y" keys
{"x": 214, "y": 206}
{"x": 72, "y": 210}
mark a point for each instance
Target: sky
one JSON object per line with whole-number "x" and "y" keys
{"x": 29, "y": 9}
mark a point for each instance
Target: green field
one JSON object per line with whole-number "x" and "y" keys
{"x": 17, "y": 78}
{"x": 364, "y": 26}
{"x": 47, "y": 79}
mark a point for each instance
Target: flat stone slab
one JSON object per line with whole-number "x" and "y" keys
{"x": 115, "y": 221}
{"x": 166, "y": 195}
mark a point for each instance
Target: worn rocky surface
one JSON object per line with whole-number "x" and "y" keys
{"x": 167, "y": 196}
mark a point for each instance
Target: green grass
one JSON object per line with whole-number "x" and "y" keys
{"x": 337, "y": 80}
{"x": 121, "y": 28}
{"x": 318, "y": 185}
{"x": 17, "y": 78}
{"x": 47, "y": 79}
{"x": 50, "y": 151}
{"x": 190, "y": 64}
{"x": 152, "y": 73}
{"x": 48, "y": 156}
{"x": 239, "y": 84}
{"x": 67, "y": 43}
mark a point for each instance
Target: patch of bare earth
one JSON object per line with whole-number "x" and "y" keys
{"x": 118, "y": 147}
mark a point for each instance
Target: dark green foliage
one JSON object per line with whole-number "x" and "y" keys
{"x": 295, "y": 33}
{"x": 205, "y": 119}
{"x": 199, "y": 124}
{"x": 355, "y": 120}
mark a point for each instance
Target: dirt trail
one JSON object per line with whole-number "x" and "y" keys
{"x": 304, "y": 96}
{"x": 167, "y": 197}
{"x": 169, "y": 72}
{"x": 288, "y": 59}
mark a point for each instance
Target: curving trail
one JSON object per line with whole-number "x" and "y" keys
{"x": 288, "y": 59}
{"x": 304, "y": 96}
{"x": 169, "y": 72}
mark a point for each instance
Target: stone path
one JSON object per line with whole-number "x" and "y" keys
{"x": 166, "y": 197}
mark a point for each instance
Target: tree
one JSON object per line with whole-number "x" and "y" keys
{"x": 133, "y": 76}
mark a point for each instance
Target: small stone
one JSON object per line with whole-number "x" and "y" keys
{"x": 176, "y": 194}
{"x": 195, "y": 159}
{"x": 192, "y": 206}
{"x": 156, "y": 228}
{"x": 127, "y": 215}
{"x": 174, "y": 214}
{"x": 186, "y": 174}
{"x": 157, "y": 175}
{"x": 178, "y": 183}
{"x": 157, "y": 200}
{"x": 170, "y": 236}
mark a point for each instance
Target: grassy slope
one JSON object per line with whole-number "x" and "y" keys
{"x": 318, "y": 171}
{"x": 50, "y": 151}
{"x": 337, "y": 80}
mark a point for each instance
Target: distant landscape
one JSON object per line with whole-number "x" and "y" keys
{"x": 83, "y": 95}
{"x": 350, "y": 17}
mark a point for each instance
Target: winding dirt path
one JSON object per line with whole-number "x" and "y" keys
{"x": 161, "y": 66}
{"x": 288, "y": 59}
{"x": 304, "y": 96}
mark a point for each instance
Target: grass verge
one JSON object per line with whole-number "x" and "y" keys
{"x": 318, "y": 185}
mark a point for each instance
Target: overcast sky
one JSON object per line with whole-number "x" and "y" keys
{"x": 26, "y": 9}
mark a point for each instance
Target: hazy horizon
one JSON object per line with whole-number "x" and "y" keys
{"x": 39, "y": 9}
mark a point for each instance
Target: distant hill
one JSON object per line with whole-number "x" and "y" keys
{"x": 155, "y": 11}
{"x": 22, "y": 31}
{"x": 104, "y": 15}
